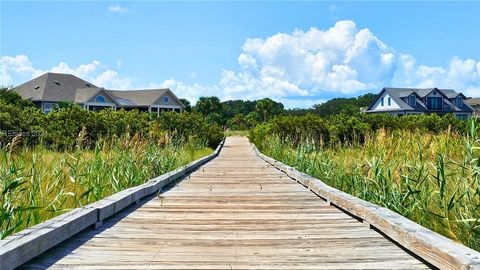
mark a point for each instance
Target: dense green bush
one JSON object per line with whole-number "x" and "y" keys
{"x": 188, "y": 126}
{"x": 342, "y": 128}
{"x": 60, "y": 128}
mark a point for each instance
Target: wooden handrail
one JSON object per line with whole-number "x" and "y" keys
{"x": 432, "y": 247}
{"x": 25, "y": 245}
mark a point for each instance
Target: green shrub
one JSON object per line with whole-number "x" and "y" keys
{"x": 187, "y": 126}
{"x": 348, "y": 129}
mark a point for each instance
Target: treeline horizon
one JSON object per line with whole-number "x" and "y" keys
{"x": 245, "y": 114}
{"x": 238, "y": 114}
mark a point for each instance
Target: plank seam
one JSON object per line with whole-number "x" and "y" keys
{"x": 432, "y": 247}
{"x": 25, "y": 245}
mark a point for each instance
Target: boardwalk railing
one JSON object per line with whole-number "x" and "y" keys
{"x": 428, "y": 245}
{"x": 23, "y": 246}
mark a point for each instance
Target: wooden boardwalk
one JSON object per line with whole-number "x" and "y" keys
{"x": 235, "y": 212}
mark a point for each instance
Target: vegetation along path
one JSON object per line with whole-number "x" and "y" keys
{"x": 235, "y": 212}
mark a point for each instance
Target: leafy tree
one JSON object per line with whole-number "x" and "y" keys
{"x": 238, "y": 122}
{"x": 188, "y": 106}
{"x": 344, "y": 105}
{"x": 12, "y": 97}
{"x": 268, "y": 108}
{"x": 208, "y": 105}
{"x": 252, "y": 119}
{"x": 298, "y": 112}
{"x": 233, "y": 107}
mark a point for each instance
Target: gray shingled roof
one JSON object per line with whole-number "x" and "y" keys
{"x": 85, "y": 94}
{"x": 139, "y": 97}
{"x": 52, "y": 87}
{"x": 59, "y": 87}
{"x": 398, "y": 93}
{"x": 473, "y": 101}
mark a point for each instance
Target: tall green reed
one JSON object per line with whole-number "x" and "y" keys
{"x": 432, "y": 179}
{"x": 37, "y": 183}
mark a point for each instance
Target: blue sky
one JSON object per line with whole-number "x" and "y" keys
{"x": 299, "y": 53}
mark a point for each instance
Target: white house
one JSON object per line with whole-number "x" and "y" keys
{"x": 403, "y": 101}
{"x": 50, "y": 89}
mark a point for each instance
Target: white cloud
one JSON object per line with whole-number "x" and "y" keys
{"x": 18, "y": 66}
{"x": 461, "y": 75}
{"x": 299, "y": 69}
{"x": 14, "y": 70}
{"x": 111, "y": 80}
{"x": 307, "y": 65}
{"x": 116, "y": 8}
{"x": 341, "y": 59}
{"x": 189, "y": 91}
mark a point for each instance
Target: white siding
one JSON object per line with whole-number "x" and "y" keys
{"x": 377, "y": 106}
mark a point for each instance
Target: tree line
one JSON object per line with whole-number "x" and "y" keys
{"x": 246, "y": 114}
{"x": 60, "y": 129}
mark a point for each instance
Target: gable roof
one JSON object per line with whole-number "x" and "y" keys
{"x": 127, "y": 98}
{"x": 52, "y": 87}
{"x": 146, "y": 97}
{"x": 138, "y": 97}
{"x": 397, "y": 94}
{"x": 58, "y": 87}
{"x": 85, "y": 94}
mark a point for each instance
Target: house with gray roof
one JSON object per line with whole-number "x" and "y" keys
{"x": 404, "y": 101}
{"x": 475, "y": 104}
{"x": 50, "y": 89}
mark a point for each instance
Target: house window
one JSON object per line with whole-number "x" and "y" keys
{"x": 381, "y": 101}
{"x": 412, "y": 100}
{"x": 165, "y": 99}
{"x": 434, "y": 103}
{"x": 389, "y": 101}
{"x": 100, "y": 99}
{"x": 459, "y": 102}
{"x": 48, "y": 107}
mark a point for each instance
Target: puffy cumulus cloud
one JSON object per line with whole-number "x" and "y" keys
{"x": 188, "y": 91}
{"x": 299, "y": 69}
{"x": 304, "y": 66}
{"x": 82, "y": 70}
{"x": 13, "y": 67}
{"x": 19, "y": 68}
{"x": 110, "y": 79}
{"x": 309, "y": 63}
{"x": 461, "y": 75}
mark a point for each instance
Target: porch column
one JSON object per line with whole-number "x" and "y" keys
{"x": 158, "y": 111}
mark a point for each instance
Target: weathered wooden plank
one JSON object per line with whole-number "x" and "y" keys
{"x": 33, "y": 241}
{"x": 220, "y": 218}
{"x": 27, "y": 244}
{"x": 434, "y": 248}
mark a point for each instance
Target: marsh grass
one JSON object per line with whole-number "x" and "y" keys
{"x": 37, "y": 184}
{"x": 432, "y": 179}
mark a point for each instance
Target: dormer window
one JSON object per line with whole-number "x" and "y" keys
{"x": 412, "y": 100}
{"x": 459, "y": 102}
{"x": 100, "y": 99}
